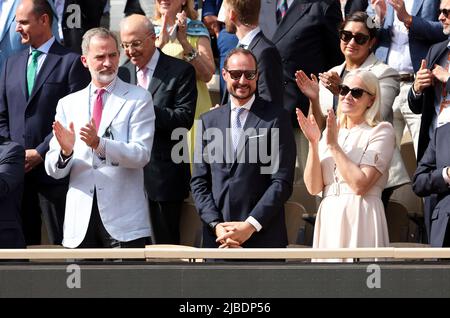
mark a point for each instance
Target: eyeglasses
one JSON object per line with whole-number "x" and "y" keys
{"x": 135, "y": 44}
{"x": 356, "y": 92}
{"x": 237, "y": 74}
{"x": 444, "y": 12}
{"x": 360, "y": 38}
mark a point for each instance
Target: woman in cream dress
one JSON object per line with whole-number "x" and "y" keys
{"x": 357, "y": 37}
{"x": 349, "y": 165}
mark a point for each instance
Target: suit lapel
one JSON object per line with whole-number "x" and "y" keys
{"x": 159, "y": 74}
{"x": 22, "y": 72}
{"x": 255, "y": 41}
{"x": 294, "y": 13}
{"x": 9, "y": 20}
{"x": 417, "y": 4}
{"x": 113, "y": 106}
{"x": 223, "y": 124}
{"x": 49, "y": 64}
{"x": 442, "y": 50}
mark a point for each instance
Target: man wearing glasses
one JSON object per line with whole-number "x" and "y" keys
{"x": 172, "y": 84}
{"x": 429, "y": 96}
{"x": 240, "y": 203}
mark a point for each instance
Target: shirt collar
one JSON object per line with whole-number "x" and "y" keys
{"x": 248, "y": 38}
{"x": 109, "y": 88}
{"x": 247, "y": 105}
{"x": 44, "y": 48}
{"x": 151, "y": 65}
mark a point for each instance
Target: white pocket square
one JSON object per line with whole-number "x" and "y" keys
{"x": 256, "y": 136}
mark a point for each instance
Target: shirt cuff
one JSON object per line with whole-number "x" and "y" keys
{"x": 445, "y": 176}
{"x": 62, "y": 163}
{"x": 101, "y": 148}
{"x": 255, "y": 223}
{"x": 415, "y": 94}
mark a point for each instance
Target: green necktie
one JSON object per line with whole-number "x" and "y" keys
{"x": 32, "y": 70}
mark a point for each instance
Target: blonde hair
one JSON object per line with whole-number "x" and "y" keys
{"x": 372, "y": 114}
{"x": 188, "y": 7}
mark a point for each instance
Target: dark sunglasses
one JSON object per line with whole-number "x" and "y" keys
{"x": 444, "y": 12}
{"x": 237, "y": 74}
{"x": 356, "y": 92}
{"x": 347, "y": 36}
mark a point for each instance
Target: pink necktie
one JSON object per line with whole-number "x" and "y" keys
{"x": 142, "y": 77}
{"x": 98, "y": 107}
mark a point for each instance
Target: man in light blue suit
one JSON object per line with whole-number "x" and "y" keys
{"x": 9, "y": 39}
{"x": 409, "y": 28}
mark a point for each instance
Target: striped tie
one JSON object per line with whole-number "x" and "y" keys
{"x": 281, "y": 10}
{"x": 237, "y": 127}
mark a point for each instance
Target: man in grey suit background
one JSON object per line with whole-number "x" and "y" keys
{"x": 172, "y": 84}
{"x": 103, "y": 137}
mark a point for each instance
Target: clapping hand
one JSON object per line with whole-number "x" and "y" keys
{"x": 309, "y": 87}
{"x": 65, "y": 137}
{"x": 331, "y": 80}
{"x": 332, "y": 129}
{"x": 181, "y": 22}
{"x": 309, "y": 127}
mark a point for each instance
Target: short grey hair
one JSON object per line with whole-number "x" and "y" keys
{"x": 97, "y": 32}
{"x": 147, "y": 24}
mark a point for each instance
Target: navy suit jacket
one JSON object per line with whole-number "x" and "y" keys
{"x": 12, "y": 161}
{"x": 307, "y": 39}
{"x": 425, "y": 30}
{"x": 28, "y": 120}
{"x": 232, "y": 191}
{"x": 174, "y": 92}
{"x": 270, "y": 70}
{"x": 428, "y": 180}
{"x": 424, "y": 104}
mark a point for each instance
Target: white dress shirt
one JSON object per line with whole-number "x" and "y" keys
{"x": 243, "y": 119}
{"x": 151, "y": 65}
{"x": 399, "y": 57}
{"x": 44, "y": 48}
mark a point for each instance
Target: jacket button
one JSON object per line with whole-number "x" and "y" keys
{"x": 91, "y": 191}
{"x": 95, "y": 166}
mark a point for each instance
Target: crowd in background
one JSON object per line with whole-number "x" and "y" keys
{"x": 86, "y": 144}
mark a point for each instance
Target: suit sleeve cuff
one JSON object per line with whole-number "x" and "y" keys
{"x": 63, "y": 160}
{"x": 101, "y": 148}
{"x": 445, "y": 176}
{"x": 415, "y": 95}
{"x": 255, "y": 223}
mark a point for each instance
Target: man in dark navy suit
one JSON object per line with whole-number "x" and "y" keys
{"x": 240, "y": 194}
{"x": 31, "y": 84}
{"x": 12, "y": 157}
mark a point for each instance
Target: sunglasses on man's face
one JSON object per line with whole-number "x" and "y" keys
{"x": 237, "y": 74}
{"x": 347, "y": 36}
{"x": 356, "y": 92}
{"x": 444, "y": 12}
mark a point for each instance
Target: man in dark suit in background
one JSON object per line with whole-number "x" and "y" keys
{"x": 432, "y": 177}
{"x": 87, "y": 13}
{"x": 172, "y": 84}
{"x": 306, "y": 35}
{"x": 239, "y": 194}
{"x": 31, "y": 84}
{"x": 12, "y": 159}
{"x": 429, "y": 96}
{"x": 242, "y": 18}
